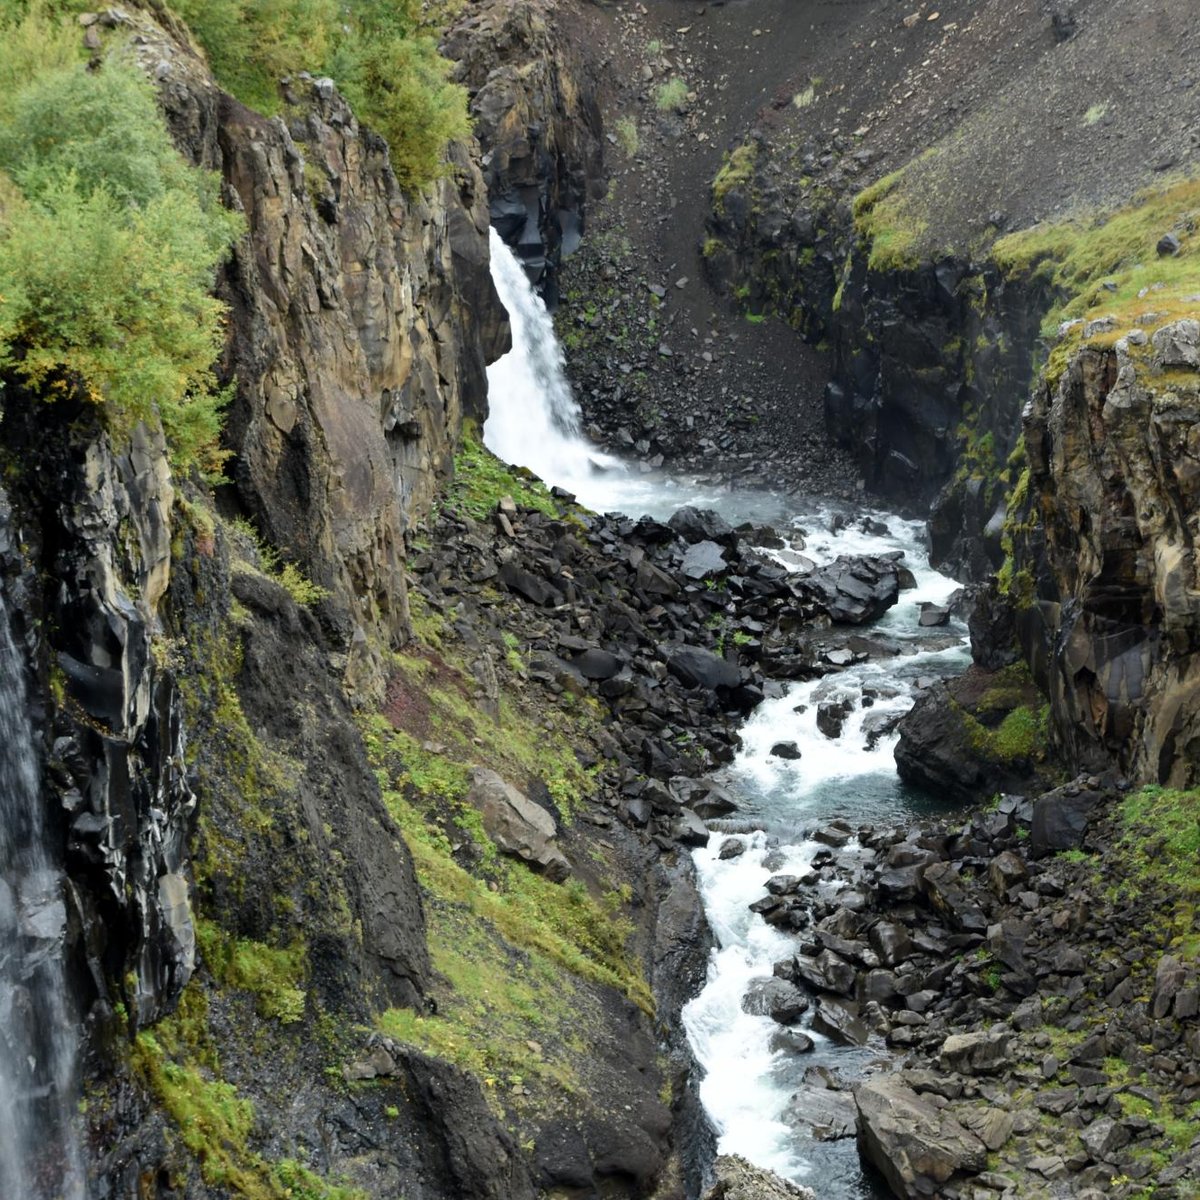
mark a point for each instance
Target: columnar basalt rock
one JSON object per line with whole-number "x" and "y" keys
{"x": 1112, "y": 628}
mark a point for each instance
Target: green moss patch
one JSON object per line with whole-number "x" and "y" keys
{"x": 216, "y": 1123}
{"x": 564, "y": 923}
{"x": 736, "y": 171}
{"x": 1159, "y": 847}
{"x": 274, "y": 975}
{"x": 481, "y": 480}
{"x": 885, "y": 220}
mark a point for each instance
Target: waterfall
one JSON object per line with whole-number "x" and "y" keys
{"x": 39, "y": 1152}
{"x": 533, "y": 417}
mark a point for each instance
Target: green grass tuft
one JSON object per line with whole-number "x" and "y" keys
{"x": 481, "y": 480}
{"x": 671, "y": 95}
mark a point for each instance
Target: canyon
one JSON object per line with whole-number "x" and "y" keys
{"x": 675, "y": 677}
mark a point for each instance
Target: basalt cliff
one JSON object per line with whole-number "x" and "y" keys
{"x": 371, "y": 767}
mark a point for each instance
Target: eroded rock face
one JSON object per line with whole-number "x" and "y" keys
{"x": 534, "y": 100}
{"x": 1113, "y": 627}
{"x": 99, "y": 523}
{"x": 361, "y": 323}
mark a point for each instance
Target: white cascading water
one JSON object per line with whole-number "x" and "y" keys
{"x": 39, "y": 1154}
{"x": 747, "y": 1085}
{"x": 533, "y": 419}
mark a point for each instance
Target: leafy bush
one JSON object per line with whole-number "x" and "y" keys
{"x": 108, "y": 243}
{"x": 398, "y": 86}
{"x": 381, "y": 57}
{"x": 252, "y": 44}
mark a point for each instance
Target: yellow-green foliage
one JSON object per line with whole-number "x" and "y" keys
{"x": 1160, "y": 846}
{"x": 252, "y": 553}
{"x": 521, "y": 745}
{"x": 627, "y": 135}
{"x": 273, "y": 975}
{"x": 379, "y": 52}
{"x": 108, "y": 244}
{"x": 1078, "y": 257}
{"x": 1023, "y": 734}
{"x": 884, "y": 219}
{"x": 564, "y": 923}
{"x": 178, "y": 1062}
{"x": 736, "y": 171}
{"x": 671, "y": 94}
{"x": 508, "y": 1016}
{"x": 481, "y": 480}
{"x": 252, "y": 44}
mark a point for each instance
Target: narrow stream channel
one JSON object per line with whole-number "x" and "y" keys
{"x": 749, "y": 1083}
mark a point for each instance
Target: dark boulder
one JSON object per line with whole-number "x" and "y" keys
{"x": 854, "y": 591}
{"x": 696, "y": 667}
{"x": 702, "y": 525}
{"x": 775, "y": 998}
{"x": 1061, "y": 817}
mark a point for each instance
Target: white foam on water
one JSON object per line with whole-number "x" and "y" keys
{"x": 535, "y": 422}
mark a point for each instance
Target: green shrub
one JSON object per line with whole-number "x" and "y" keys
{"x": 398, "y": 86}
{"x": 108, "y": 244}
{"x": 252, "y": 44}
{"x": 32, "y": 42}
{"x": 379, "y": 53}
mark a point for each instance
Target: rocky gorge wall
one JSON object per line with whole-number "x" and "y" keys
{"x": 931, "y": 359}
{"x": 1105, "y": 587}
{"x": 305, "y": 967}
{"x": 535, "y": 101}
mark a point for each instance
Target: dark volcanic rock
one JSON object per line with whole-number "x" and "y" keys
{"x": 1061, "y": 817}
{"x": 917, "y": 1147}
{"x": 702, "y": 525}
{"x": 777, "y": 999}
{"x": 696, "y": 667}
{"x": 854, "y": 591}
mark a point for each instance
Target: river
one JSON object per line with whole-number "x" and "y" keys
{"x": 748, "y": 1086}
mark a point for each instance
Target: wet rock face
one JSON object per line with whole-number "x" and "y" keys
{"x": 534, "y": 100}
{"x": 1112, "y": 629}
{"x": 100, "y": 523}
{"x": 983, "y": 732}
{"x": 361, "y": 323}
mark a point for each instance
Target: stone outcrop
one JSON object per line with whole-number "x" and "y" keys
{"x": 535, "y": 103}
{"x": 1109, "y": 620}
{"x": 517, "y": 825}
{"x": 361, "y": 322}
{"x": 118, "y": 739}
{"x": 737, "y": 1179}
{"x": 916, "y": 1146}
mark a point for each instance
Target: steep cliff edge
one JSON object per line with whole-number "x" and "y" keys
{"x": 362, "y": 319}
{"x": 305, "y": 966}
{"x": 1108, "y": 547}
